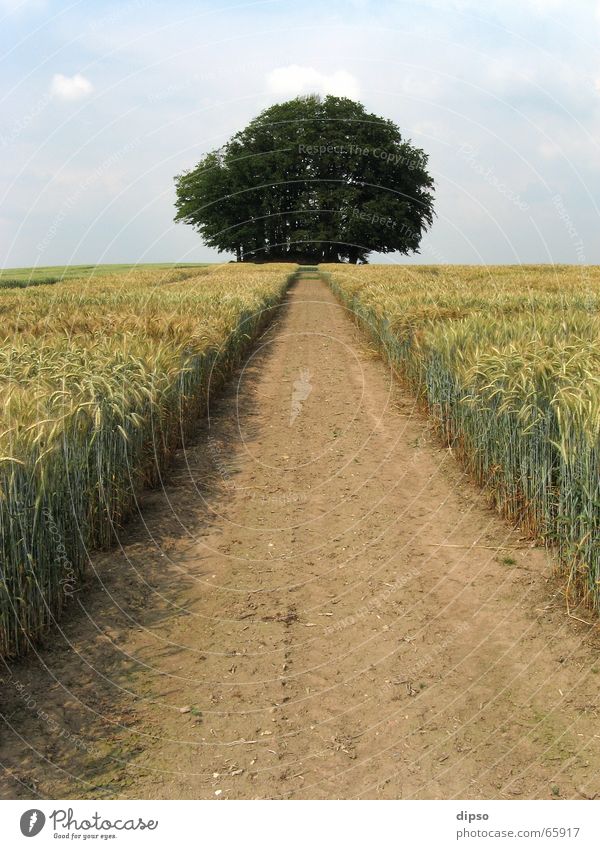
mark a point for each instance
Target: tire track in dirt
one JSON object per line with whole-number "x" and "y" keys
{"x": 329, "y": 610}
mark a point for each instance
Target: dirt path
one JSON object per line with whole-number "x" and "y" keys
{"x": 329, "y": 601}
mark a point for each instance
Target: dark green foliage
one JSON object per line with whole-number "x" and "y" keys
{"x": 16, "y": 283}
{"x": 310, "y": 180}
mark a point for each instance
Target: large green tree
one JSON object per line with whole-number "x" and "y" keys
{"x": 310, "y": 180}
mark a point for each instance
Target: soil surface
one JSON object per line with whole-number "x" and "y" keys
{"x": 318, "y": 603}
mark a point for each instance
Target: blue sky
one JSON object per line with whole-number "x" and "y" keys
{"x": 102, "y": 103}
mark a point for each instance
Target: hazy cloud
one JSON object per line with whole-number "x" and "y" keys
{"x": 70, "y": 88}
{"x": 298, "y": 79}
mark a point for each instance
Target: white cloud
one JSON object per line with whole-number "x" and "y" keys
{"x": 70, "y": 88}
{"x": 298, "y": 79}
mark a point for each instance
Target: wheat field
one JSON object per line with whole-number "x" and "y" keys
{"x": 101, "y": 379}
{"x": 507, "y": 362}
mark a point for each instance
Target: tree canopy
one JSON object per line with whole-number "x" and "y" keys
{"x": 310, "y": 180}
